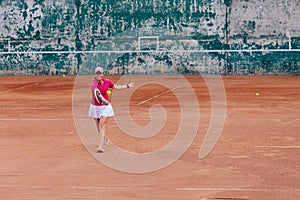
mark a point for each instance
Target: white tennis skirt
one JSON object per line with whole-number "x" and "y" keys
{"x": 98, "y": 111}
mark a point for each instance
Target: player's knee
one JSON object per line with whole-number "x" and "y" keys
{"x": 102, "y": 124}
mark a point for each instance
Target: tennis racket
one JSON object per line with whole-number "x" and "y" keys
{"x": 99, "y": 98}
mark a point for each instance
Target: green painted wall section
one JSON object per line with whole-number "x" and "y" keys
{"x": 65, "y": 37}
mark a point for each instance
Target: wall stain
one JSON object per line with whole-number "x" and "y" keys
{"x": 182, "y": 27}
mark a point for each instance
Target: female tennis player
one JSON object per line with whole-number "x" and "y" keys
{"x": 100, "y": 108}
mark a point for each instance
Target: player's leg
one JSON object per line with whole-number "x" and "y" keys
{"x": 102, "y": 122}
{"x": 97, "y": 122}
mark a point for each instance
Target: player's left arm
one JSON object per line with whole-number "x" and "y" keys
{"x": 118, "y": 87}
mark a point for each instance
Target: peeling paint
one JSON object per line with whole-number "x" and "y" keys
{"x": 181, "y": 25}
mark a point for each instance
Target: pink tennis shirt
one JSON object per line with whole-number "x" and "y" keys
{"x": 103, "y": 87}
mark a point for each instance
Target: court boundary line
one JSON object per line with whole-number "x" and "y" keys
{"x": 233, "y": 189}
{"x": 56, "y": 119}
{"x": 33, "y": 108}
{"x": 19, "y": 88}
{"x": 34, "y": 119}
{"x": 158, "y": 95}
{"x": 65, "y": 187}
{"x": 126, "y": 188}
{"x": 280, "y": 147}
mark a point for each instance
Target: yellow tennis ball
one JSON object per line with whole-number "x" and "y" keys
{"x": 108, "y": 92}
{"x": 257, "y": 94}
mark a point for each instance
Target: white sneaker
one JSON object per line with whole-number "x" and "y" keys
{"x": 100, "y": 150}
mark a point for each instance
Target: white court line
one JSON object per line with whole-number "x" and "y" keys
{"x": 128, "y": 187}
{"x": 19, "y": 88}
{"x": 33, "y": 108}
{"x": 233, "y": 189}
{"x": 68, "y": 187}
{"x": 280, "y": 147}
{"x": 34, "y": 119}
{"x": 12, "y": 174}
{"x": 158, "y": 95}
{"x": 55, "y": 119}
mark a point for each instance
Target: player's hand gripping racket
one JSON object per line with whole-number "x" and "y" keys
{"x": 100, "y": 99}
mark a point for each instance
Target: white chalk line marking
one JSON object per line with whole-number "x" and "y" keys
{"x": 158, "y": 95}
{"x": 40, "y": 108}
{"x": 234, "y": 189}
{"x": 12, "y": 174}
{"x": 68, "y": 187}
{"x": 128, "y": 187}
{"x": 34, "y": 119}
{"x": 19, "y": 88}
{"x": 279, "y": 147}
{"x": 54, "y": 119}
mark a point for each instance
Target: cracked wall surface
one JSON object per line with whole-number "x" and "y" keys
{"x": 150, "y": 36}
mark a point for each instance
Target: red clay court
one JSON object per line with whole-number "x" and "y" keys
{"x": 256, "y": 156}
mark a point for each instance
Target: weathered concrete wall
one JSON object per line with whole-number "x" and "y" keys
{"x": 182, "y": 27}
